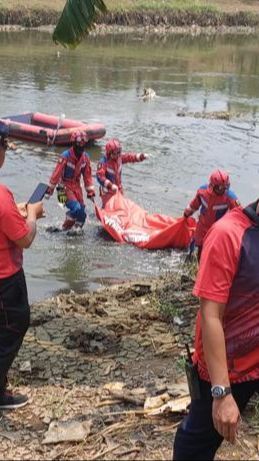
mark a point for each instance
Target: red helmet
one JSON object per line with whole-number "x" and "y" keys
{"x": 219, "y": 179}
{"x": 79, "y": 138}
{"x": 113, "y": 147}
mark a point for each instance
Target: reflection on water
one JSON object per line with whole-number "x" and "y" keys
{"x": 101, "y": 81}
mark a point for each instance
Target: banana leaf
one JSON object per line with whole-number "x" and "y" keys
{"x": 76, "y": 21}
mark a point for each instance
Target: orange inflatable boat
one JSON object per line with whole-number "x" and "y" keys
{"x": 49, "y": 129}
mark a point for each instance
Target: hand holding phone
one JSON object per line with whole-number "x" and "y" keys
{"x": 22, "y": 207}
{"x": 39, "y": 193}
{"x": 35, "y": 210}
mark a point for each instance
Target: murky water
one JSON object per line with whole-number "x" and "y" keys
{"x": 102, "y": 81}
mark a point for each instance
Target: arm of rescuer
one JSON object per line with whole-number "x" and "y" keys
{"x": 101, "y": 176}
{"x": 225, "y": 412}
{"x": 34, "y": 211}
{"x": 56, "y": 175}
{"x": 88, "y": 180}
{"x": 132, "y": 157}
{"x": 217, "y": 269}
{"x": 193, "y": 206}
{"x": 19, "y": 230}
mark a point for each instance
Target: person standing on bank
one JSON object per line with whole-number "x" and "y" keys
{"x": 17, "y": 231}
{"x": 227, "y": 334}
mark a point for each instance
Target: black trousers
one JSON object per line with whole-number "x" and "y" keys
{"x": 14, "y": 320}
{"x": 196, "y": 438}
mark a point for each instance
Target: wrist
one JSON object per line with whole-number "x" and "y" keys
{"x": 31, "y": 222}
{"x": 31, "y": 213}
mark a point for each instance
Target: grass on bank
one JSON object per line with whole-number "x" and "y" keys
{"x": 160, "y": 5}
{"x": 35, "y": 13}
{"x": 130, "y": 5}
{"x": 137, "y": 5}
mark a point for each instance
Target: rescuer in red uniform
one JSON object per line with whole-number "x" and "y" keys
{"x": 73, "y": 164}
{"x": 110, "y": 168}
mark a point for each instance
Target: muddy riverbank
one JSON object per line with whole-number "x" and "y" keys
{"x": 95, "y": 366}
{"x": 160, "y": 30}
{"x": 145, "y": 20}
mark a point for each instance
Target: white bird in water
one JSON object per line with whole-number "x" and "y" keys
{"x": 148, "y": 94}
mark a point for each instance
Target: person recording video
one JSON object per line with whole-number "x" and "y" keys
{"x": 17, "y": 231}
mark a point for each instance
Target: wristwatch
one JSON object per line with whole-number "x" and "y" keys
{"x": 218, "y": 392}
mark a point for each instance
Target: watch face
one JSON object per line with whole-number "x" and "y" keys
{"x": 217, "y": 391}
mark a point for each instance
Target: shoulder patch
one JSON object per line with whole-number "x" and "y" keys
{"x": 232, "y": 195}
{"x": 204, "y": 186}
{"x": 65, "y": 154}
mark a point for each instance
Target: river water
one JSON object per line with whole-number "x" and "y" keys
{"x": 102, "y": 80}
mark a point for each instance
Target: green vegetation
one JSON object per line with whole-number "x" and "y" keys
{"x": 160, "y": 5}
{"x": 77, "y": 22}
{"x": 167, "y": 309}
{"x": 232, "y": 6}
{"x": 180, "y": 365}
{"x": 137, "y": 5}
{"x": 58, "y": 5}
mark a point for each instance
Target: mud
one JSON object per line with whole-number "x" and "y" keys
{"x": 118, "y": 333}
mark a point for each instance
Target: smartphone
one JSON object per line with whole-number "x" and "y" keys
{"x": 39, "y": 193}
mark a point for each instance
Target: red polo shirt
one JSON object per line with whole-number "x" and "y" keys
{"x": 12, "y": 227}
{"x": 229, "y": 274}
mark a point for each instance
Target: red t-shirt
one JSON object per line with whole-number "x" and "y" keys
{"x": 12, "y": 227}
{"x": 229, "y": 274}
